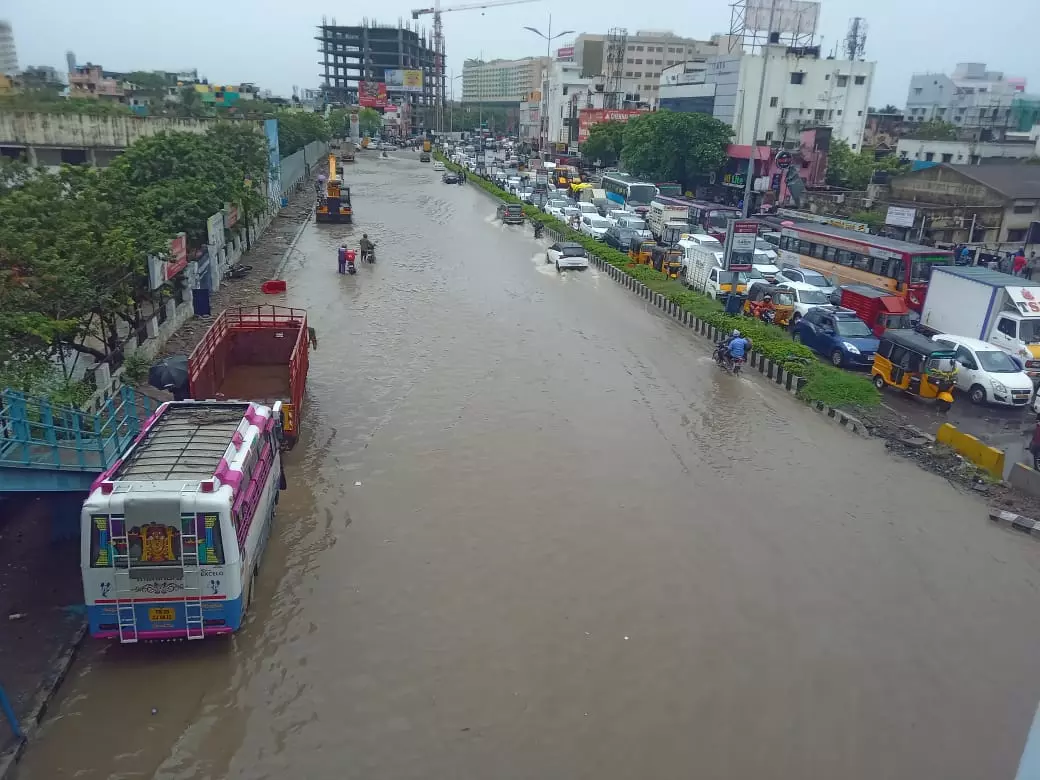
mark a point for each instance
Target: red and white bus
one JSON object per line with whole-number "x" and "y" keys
{"x": 712, "y": 217}
{"x": 850, "y": 257}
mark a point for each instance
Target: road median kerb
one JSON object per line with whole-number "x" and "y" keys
{"x": 1015, "y": 521}
{"x": 767, "y": 367}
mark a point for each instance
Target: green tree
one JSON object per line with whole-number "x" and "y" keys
{"x": 934, "y": 130}
{"x": 669, "y": 146}
{"x": 296, "y": 129}
{"x": 855, "y": 170}
{"x": 605, "y": 142}
{"x": 888, "y": 108}
{"x": 369, "y": 121}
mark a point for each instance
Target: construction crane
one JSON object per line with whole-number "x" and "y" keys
{"x": 438, "y": 40}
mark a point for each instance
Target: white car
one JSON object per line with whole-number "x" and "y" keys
{"x": 986, "y": 373}
{"x": 806, "y": 296}
{"x": 767, "y": 249}
{"x": 594, "y": 225}
{"x": 768, "y": 270}
{"x": 809, "y": 276}
{"x": 636, "y": 223}
{"x": 566, "y": 254}
{"x": 554, "y": 207}
{"x": 615, "y": 214}
{"x": 588, "y": 208}
{"x": 568, "y": 212}
{"x": 438, "y": 166}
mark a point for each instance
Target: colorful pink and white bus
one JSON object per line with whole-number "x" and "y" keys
{"x": 173, "y": 533}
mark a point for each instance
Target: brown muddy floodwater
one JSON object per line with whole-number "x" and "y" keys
{"x": 578, "y": 550}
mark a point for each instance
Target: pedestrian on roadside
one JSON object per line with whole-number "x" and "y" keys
{"x": 341, "y": 258}
{"x": 1018, "y": 265}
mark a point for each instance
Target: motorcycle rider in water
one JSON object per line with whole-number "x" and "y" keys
{"x": 366, "y": 247}
{"x": 736, "y": 346}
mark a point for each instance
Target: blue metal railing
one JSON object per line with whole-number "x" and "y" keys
{"x": 8, "y": 711}
{"x": 34, "y": 433}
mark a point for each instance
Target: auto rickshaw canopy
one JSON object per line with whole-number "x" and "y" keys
{"x": 780, "y": 296}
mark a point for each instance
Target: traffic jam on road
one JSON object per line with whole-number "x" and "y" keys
{"x": 905, "y": 313}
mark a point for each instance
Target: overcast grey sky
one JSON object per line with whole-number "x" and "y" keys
{"x": 272, "y": 43}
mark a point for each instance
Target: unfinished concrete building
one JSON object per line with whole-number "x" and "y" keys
{"x": 380, "y": 54}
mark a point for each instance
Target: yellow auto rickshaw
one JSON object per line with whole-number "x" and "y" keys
{"x": 777, "y": 310}
{"x": 667, "y": 260}
{"x": 641, "y": 250}
{"x": 915, "y": 364}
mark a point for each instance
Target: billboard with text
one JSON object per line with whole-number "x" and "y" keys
{"x": 372, "y": 94}
{"x": 404, "y": 80}
{"x": 587, "y": 117}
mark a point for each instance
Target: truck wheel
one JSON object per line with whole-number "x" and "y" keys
{"x": 977, "y": 394}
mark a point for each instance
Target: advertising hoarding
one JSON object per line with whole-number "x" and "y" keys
{"x": 404, "y": 80}
{"x": 795, "y": 17}
{"x": 740, "y": 245}
{"x": 178, "y": 257}
{"x": 587, "y": 117}
{"x": 372, "y": 94}
{"x": 900, "y": 217}
{"x": 565, "y": 54}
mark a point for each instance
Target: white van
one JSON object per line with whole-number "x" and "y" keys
{"x": 987, "y": 374}
{"x": 703, "y": 271}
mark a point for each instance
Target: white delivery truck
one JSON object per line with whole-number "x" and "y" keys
{"x": 986, "y": 305}
{"x": 703, "y": 271}
{"x": 662, "y": 213}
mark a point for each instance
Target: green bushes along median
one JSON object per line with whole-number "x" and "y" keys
{"x": 824, "y": 382}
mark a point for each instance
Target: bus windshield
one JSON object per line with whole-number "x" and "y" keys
{"x": 921, "y": 268}
{"x": 642, "y": 193}
{"x": 720, "y": 219}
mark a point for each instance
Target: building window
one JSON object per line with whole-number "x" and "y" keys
{"x": 639, "y": 62}
{"x": 917, "y": 90}
{"x": 658, "y": 62}
{"x": 1014, "y": 236}
{"x": 929, "y": 156}
{"x": 947, "y": 158}
{"x": 1022, "y": 209}
{"x": 839, "y": 112}
{"x": 860, "y": 80}
{"x": 769, "y": 137}
{"x": 859, "y": 113}
{"x": 638, "y": 74}
{"x": 639, "y": 48}
{"x": 843, "y": 81}
{"x": 854, "y": 146}
{"x": 797, "y": 77}
{"x": 628, "y": 75}
{"x": 631, "y": 47}
{"x": 773, "y": 101}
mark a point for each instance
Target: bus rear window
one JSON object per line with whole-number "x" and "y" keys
{"x": 156, "y": 544}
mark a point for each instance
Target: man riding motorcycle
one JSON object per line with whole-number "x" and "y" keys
{"x": 735, "y": 347}
{"x": 367, "y": 247}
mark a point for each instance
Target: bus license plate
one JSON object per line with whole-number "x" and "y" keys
{"x": 160, "y": 614}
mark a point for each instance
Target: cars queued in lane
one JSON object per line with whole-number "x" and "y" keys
{"x": 567, "y": 254}
{"x": 837, "y": 334}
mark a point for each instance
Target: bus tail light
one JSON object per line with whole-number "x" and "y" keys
{"x": 107, "y": 488}
{"x": 207, "y": 486}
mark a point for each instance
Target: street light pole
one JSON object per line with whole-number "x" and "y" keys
{"x": 549, "y": 38}
{"x": 758, "y": 116}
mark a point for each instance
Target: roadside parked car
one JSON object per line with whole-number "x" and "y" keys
{"x": 566, "y": 254}
{"x": 808, "y": 276}
{"x": 594, "y": 225}
{"x": 806, "y": 296}
{"x": 986, "y": 373}
{"x": 837, "y": 334}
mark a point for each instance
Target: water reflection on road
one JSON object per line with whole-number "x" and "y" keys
{"x": 576, "y": 550}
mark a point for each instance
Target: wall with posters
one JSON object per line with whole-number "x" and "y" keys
{"x": 372, "y": 94}
{"x": 587, "y": 117}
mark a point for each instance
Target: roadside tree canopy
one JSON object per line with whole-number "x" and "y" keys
{"x": 670, "y": 146}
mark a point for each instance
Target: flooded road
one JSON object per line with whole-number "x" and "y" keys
{"x": 532, "y": 532}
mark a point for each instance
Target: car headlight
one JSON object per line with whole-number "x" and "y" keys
{"x": 998, "y": 387}
{"x": 850, "y": 347}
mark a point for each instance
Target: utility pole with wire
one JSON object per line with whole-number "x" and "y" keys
{"x": 758, "y": 116}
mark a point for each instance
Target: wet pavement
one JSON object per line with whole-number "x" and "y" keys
{"x": 577, "y": 550}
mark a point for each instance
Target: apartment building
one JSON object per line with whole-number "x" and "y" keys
{"x": 971, "y": 97}
{"x": 501, "y": 81}
{"x": 801, "y": 91}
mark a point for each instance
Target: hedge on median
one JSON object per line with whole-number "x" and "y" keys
{"x": 824, "y": 382}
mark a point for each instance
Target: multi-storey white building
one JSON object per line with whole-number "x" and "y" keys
{"x": 565, "y": 91}
{"x": 647, "y": 53}
{"x": 501, "y": 81}
{"x": 8, "y": 53}
{"x": 801, "y": 91}
{"x": 970, "y": 97}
